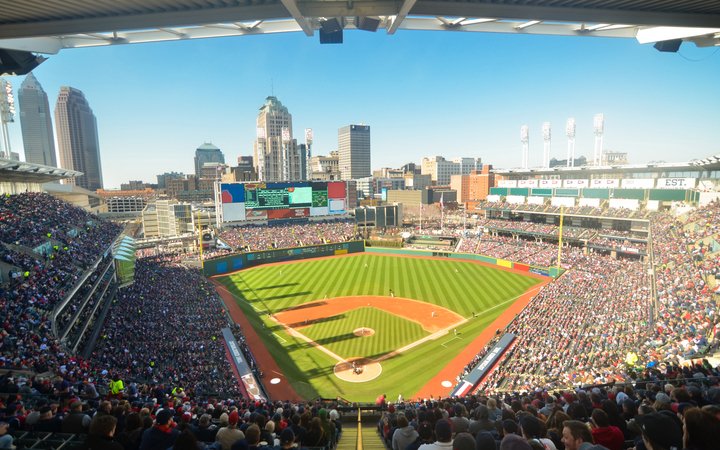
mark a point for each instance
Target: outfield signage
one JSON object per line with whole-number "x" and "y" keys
{"x": 638, "y": 183}
{"x": 575, "y": 183}
{"x": 239, "y": 261}
{"x": 483, "y": 367}
{"x": 605, "y": 183}
{"x": 676, "y": 183}
{"x": 246, "y": 376}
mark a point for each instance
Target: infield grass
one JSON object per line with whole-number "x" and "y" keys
{"x": 460, "y": 286}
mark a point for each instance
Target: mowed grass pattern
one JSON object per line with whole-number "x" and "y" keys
{"x": 463, "y": 287}
{"x": 391, "y": 333}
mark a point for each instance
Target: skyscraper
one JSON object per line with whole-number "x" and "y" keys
{"x": 207, "y": 153}
{"x": 277, "y": 157}
{"x": 77, "y": 134}
{"x": 35, "y": 122}
{"x": 354, "y": 151}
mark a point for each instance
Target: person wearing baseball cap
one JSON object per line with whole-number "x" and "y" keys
{"x": 161, "y": 435}
{"x": 660, "y": 432}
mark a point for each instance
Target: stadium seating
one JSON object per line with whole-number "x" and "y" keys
{"x": 161, "y": 333}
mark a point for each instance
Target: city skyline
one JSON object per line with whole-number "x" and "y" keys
{"x": 77, "y": 137}
{"x": 36, "y": 123}
{"x": 423, "y": 94}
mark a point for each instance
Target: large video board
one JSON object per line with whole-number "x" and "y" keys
{"x": 246, "y": 202}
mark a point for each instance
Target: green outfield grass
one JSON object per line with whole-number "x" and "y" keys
{"x": 462, "y": 287}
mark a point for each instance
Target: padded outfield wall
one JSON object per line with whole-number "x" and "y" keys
{"x": 239, "y": 261}
{"x": 544, "y": 271}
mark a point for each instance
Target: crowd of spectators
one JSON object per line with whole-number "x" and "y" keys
{"x": 166, "y": 329}
{"x": 162, "y": 418}
{"x": 656, "y": 415}
{"x": 268, "y": 237}
{"x": 163, "y": 336}
{"x": 664, "y": 408}
{"x": 594, "y": 211}
{"x": 582, "y": 328}
{"x": 68, "y": 241}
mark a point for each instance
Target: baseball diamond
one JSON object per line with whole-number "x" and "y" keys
{"x": 356, "y": 325}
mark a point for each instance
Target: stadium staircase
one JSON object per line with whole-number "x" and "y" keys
{"x": 360, "y": 432}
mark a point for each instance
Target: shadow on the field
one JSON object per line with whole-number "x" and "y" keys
{"x": 307, "y": 323}
{"x": 328, "y": 340}
{"x": 304, "y": 306}
{"x": 277, "y": 286}
{"x": 280, "y": 297}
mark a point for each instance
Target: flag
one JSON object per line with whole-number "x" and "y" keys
{"x": 442, "y": 205}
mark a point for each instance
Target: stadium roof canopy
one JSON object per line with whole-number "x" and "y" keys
{"x": 18, "y": 171}
{"x": 48, "y": 26}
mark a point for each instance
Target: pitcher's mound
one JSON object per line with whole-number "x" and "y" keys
{"x": 361, "y": 371}
{"x": 363, "y": 332}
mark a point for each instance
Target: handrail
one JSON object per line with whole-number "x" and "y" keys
{"x": 63, "y": 333}
{"x": 359, "y": 430}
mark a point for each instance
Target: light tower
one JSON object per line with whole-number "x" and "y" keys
{"x": 308, "y": 155}
{"x": 525, "y": 139}
{"x": 546, "y": 144}
{"x": 286, "y": 154}
{"x": 261, "y": 147}
{"x": 570, "y": 132}
{"x": 599, "y": 128}
{"x": 7, "y": 115}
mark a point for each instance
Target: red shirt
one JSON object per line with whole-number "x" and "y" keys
{"x": 611, "y": 437}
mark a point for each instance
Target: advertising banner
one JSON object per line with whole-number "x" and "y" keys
{"x": 638, "y": 183}
{"x": 676, "y": 183}
{"x": 605, "y": 183}
{"x": 507, "y": 183}
{"x": 550, "y": 183}
{"x": 484, "y": 366}
{"x": 576, "y": 183}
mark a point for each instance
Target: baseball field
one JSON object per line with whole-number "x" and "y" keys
{"x": 360, "y": 325}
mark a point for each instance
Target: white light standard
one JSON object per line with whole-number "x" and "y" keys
{"x": 570, "y": 133}
{"x": 546, "y": 144}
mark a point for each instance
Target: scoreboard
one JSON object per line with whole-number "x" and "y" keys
{"x": 247, "y": 202}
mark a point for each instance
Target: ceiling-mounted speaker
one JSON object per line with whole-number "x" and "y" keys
{"x": 18, "y": 62}
{"x": 671, "y": 46}
{"x": 367, "y": 23}
{"x": 331, "y": 32}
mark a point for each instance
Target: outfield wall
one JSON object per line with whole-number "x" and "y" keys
{"x": 553, "y": 272}
{"x": 239, "y": 261}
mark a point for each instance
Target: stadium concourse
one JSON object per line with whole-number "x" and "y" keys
{"x": 159, "y": 376}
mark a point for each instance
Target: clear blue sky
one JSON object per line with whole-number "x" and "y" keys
{"x": 422, "y": 93}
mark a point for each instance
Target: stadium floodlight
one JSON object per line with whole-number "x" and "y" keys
{"x": 7, "y": 114}
{"x": 308, "y": 154}
{"x": 546, "y": 144}
{"x": 599, "y": 130}
{"x": 570, "y": 133}
{"x": 286, "y": 153}
{"x": 525, "y": 140}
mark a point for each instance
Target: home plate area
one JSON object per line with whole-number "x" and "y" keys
{"x": 357, "y": 370}
{"x": 299, "y": 321}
